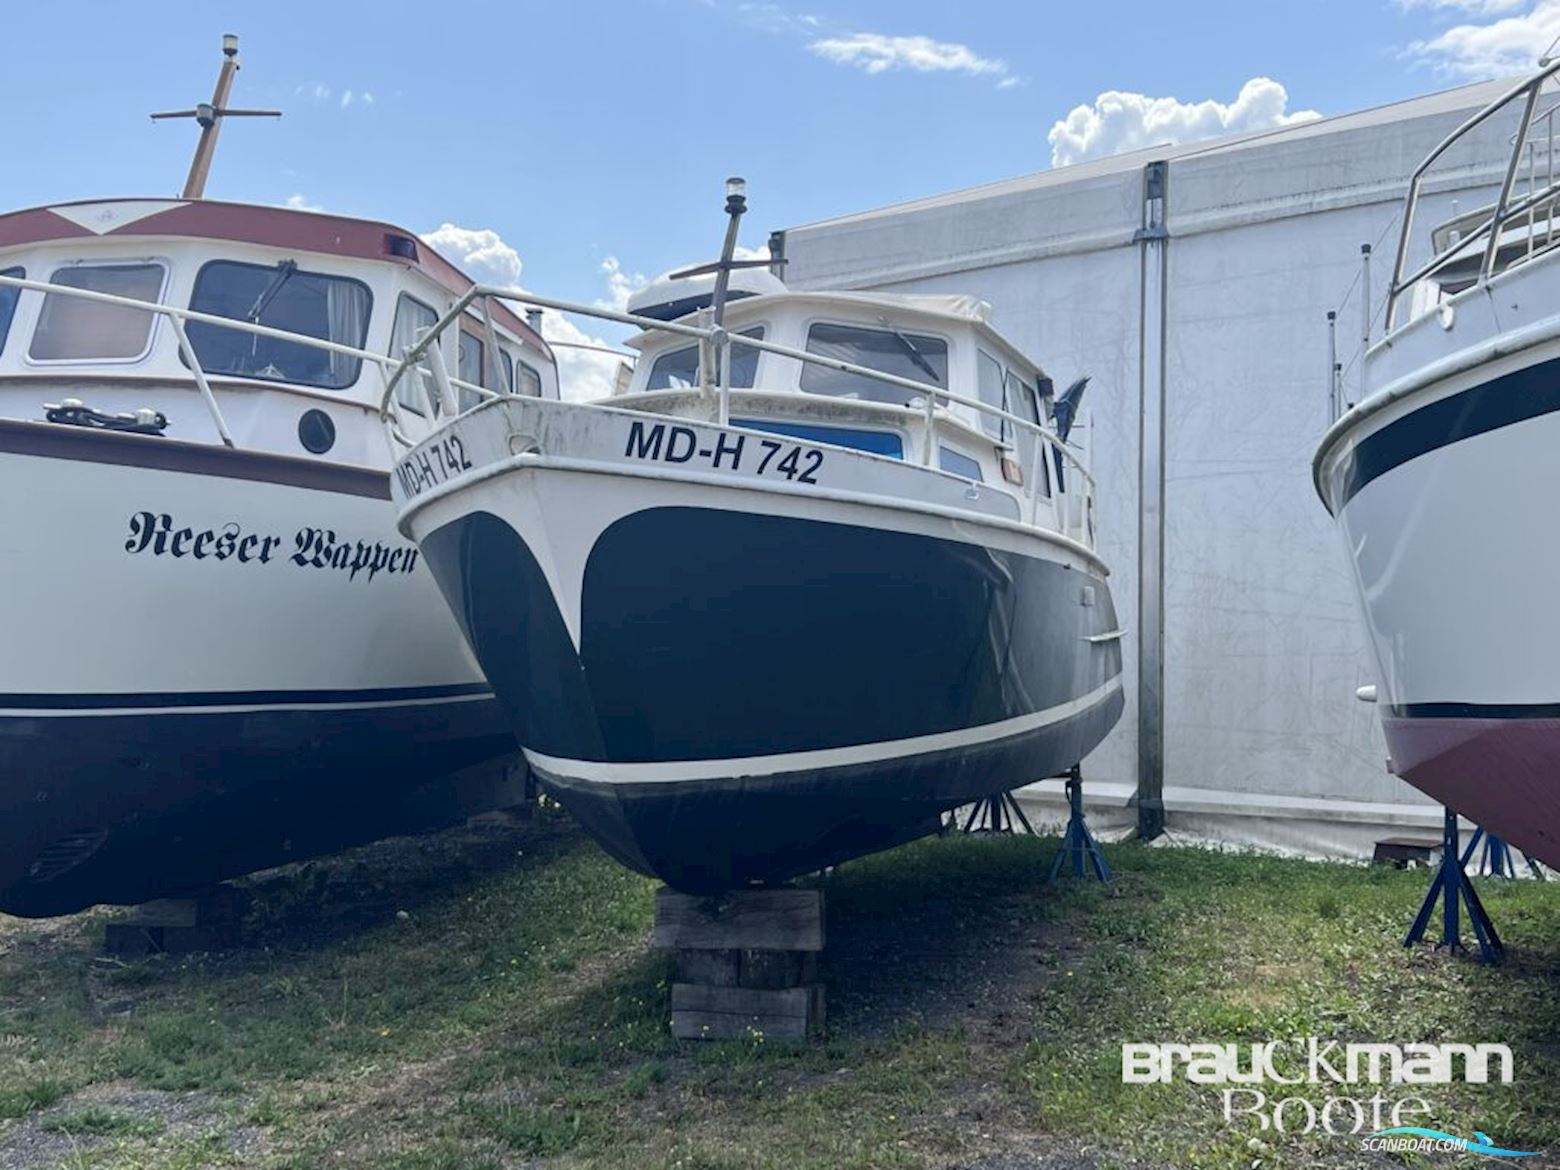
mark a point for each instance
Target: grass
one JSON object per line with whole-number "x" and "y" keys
{"x": 514, "y": 1014}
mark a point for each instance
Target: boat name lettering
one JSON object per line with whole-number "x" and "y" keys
{"x": 433, "y": 464}
{"x": 674, "y": 444}
{"x": 317, "y": 548}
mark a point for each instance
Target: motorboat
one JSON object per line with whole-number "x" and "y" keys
{"x": 219, "y": 654}
{"x": 822, "y": 569}
{"x": 1434, "y": 475}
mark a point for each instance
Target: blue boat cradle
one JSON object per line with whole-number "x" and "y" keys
{"x": 1452, "y": 886}
{"x": 1002, "y": 814}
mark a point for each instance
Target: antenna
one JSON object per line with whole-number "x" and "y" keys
{"x": 209, "y": 117}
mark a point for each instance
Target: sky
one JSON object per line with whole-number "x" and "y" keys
{"x": 578, "y": 147}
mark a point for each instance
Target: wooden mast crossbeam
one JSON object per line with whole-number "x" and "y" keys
{"x": 209, "y": 117}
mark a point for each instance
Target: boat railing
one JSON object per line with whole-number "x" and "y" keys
{"x": 1070, "y": 489}
{"x": 446, "y": 388}
{"x": 1529, "y": 193}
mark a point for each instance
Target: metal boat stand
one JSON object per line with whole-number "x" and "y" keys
{"x": 1450, "y": 885}
{"x": 997, "y": 814}
{"x": 1078, "y": 843}
{"x": 1498, "y": 858}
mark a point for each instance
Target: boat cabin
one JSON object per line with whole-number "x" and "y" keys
{"x": 369, "y": 288}
{"x": 945, "y": 342}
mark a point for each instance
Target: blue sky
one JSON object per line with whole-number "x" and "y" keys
{"x": 598, "y": 132}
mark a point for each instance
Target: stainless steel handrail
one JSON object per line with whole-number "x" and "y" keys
{"x": 178, "y": 316}
{"x": 1503, "y": 210}
{"x": 714, "y": 344}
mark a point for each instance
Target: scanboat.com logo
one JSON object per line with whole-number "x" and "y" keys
{"x": 1412, "y": 1139}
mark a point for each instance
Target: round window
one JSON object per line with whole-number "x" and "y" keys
{"x": 316, "y": 431}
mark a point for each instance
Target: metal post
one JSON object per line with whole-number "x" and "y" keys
{"x": 707, "y": 375}
{"x": 441, "y": 379}
{"x": 1332, "y": 367}
{"x": 201, "y": 383}
{"x": 1153, "y": 239}
{"x": 736, "y": 204}
{"x": 1365, "y": 297}
{"x": 929, "y": 423}
{"x": 1364, "y": 314}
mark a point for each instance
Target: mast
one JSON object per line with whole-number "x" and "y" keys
{"x": 209, "y": 117}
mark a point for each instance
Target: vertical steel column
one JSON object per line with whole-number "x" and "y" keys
{"x": 1153, "y": 240}
{"x": 1334, "y": 406}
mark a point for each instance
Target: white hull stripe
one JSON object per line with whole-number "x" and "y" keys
{"x": 601, "y": 772}
{"x": 237, "y": 708}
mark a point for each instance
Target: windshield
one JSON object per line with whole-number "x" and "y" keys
{"x": 331, "y": 308}
{"x": 915, "y": 356}
{"x": 679, "y": 369}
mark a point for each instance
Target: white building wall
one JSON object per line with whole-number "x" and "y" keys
{"x": 1264, "y": 740}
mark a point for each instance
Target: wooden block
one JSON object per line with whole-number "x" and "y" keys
{"x": 1401, "y": 850}
{"x": 766, "y": 920}
{"x": 213, "y": 921}
{"x": 717, "y": 1026}
{"x": 741, "y": 1001}
{"x": 168, "y": 912}
{"x": 726, "y": 1013}
{"x": 775, "y": 969}
{"x": 712, "y": 968}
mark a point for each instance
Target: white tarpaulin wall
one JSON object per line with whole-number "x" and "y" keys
{"x": 1264, "y": 742}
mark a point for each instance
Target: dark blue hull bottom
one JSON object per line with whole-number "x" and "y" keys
{"x": 708, "y": 637}
{"x": 126, "y": 808}
{"x": 708, "y": 836}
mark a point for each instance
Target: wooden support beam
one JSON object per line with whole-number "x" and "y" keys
{"x": 762, "y": 920}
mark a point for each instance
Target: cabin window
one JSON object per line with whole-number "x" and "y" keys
{"x": 73, "y": 329}
{"x": 331, "y": 308}
{"x": 412, "y": 320}
{"x": 679, "y": 369}
{"x": 991, "y": 388}
{"x": 472, "y": 368}
{"x": 892, "y": 351}
{"x": 8, "y": 299}
{"x": 521, "y": 377}
{"x": 959, "y": 463}
{"x": 1022, "y": 402}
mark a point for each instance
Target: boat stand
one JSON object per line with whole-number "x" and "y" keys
{"x": 997, "y": 814}
{"x": 1077, "y": 842}
{"x": 1498, "y": 859}
{"x": 1451, "y": 885}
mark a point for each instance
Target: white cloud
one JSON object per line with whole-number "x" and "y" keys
{"x": 876, "y": 53}
{"x": 620, "y": 284}
{"x": 320, "y": 92}
{"x": 1512, "y": 44}
{"x": 1118, "y": 121}
{"x": 482, "y": 252}
{"x": 487, "y": 257}
{"x": 1472, "y": 7}
{"x": 300, "y": 202}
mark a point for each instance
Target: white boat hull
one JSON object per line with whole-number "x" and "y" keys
{"x": 215, "y": 660}
{"x": 1445, "y": 499}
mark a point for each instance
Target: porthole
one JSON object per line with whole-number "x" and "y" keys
{"x": 316, "y": 431}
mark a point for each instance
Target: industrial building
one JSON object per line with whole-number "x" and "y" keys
{"x": 1193, "y": 283}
